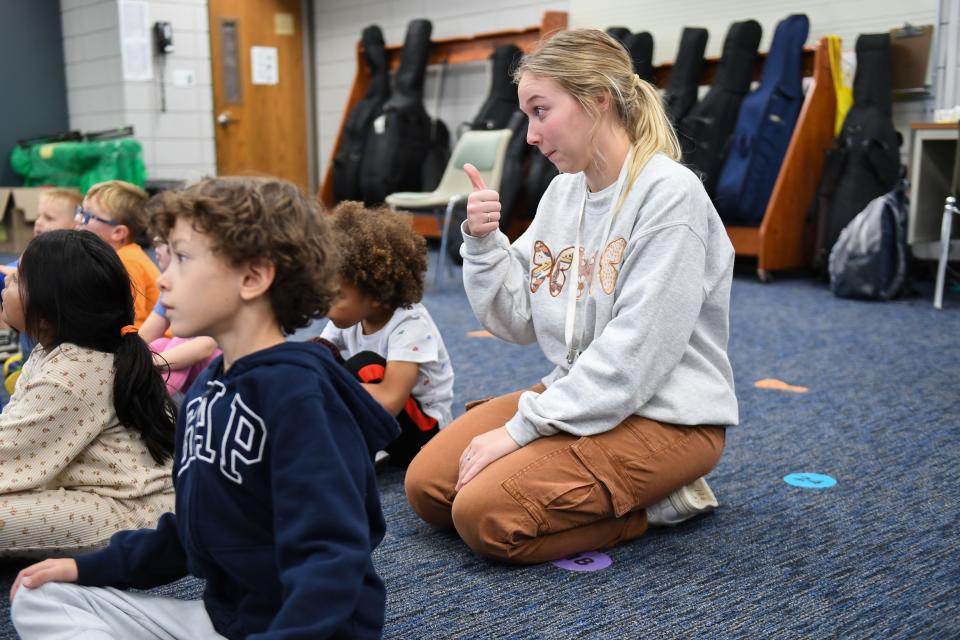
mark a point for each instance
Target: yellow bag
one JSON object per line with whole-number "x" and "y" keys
{"x": 843, "y": 91}
{"x": 11, "y": 371}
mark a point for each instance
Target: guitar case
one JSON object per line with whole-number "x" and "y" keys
{"x": 707, "y": 128}
{"x": 511, "y": 185}
{"x": 864, "y": 162}
{"x": 684, "y": 83}
{"x": 501, "y": 102}
{"x": 400, "y": 137}
{"x": 620, "y": 34}
{"x": 348, "y": 161}
{"x": 764, "y": 128}
{"x": 640, "y": 48}
{"x": 438, "y": 155}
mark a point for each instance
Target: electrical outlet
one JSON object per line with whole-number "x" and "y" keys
{"x": 184, "y": 78}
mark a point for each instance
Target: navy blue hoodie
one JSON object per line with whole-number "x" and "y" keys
{"x": 276, "y": 501}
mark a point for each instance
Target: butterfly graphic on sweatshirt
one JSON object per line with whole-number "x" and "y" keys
{"x": 546, "y": 267}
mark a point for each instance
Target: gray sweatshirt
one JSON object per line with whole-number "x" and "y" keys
{"x": 653, "y": 304}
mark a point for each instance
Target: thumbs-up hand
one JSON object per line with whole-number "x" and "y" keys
{"x": 483, "y": 205}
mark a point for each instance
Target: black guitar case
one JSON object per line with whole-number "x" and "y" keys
{"x": 864, "y": 162}
{"x": 511, "y": 185}
{"x": 501, "y": 102}
{"x": 706, "y": 129}
{"x": 348, "y": 161}
{"x": 540, "y": 173}
{"x": 438, "y": 155}
{"x": 400, "y": 136}
{"x": 620, "y": 33}
{"x": 512, "y": 181}
{"x": 640, "y": 48}
{"x": 684, "y": 82}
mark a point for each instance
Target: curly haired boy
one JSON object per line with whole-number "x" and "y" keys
{"x": 269, "y": 428}
{"x": 388, "y": 337}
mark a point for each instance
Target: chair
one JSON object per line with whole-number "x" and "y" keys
{"x": 949, "y": 210}
{"x": 486, "y": 151}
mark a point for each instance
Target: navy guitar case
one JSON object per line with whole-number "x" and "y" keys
{"x": 704, "y": 132}
{"x": 764, "y": 128}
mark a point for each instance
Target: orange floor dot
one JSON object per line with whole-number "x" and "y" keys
{"x": 779, "y": 385}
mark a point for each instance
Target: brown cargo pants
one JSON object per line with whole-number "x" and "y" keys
{"x": 559, "y": 495}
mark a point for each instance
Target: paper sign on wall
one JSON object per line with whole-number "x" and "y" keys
{"x": 135, "y": 40}
{"x": 263, "y": 62}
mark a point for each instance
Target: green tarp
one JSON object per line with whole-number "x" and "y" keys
{"x": 80, "y": 164}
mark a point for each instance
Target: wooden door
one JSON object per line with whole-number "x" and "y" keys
{"x": 259, "y": 96}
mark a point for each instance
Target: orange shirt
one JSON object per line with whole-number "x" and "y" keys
{"x": 143, "y": 280}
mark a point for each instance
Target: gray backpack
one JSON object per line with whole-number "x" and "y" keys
{"x": 869, "y": 259}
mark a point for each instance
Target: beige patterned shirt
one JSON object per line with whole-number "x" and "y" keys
{"x": 60, "y": 430}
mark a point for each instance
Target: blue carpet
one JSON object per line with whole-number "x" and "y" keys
{"x": 878, "y": 555}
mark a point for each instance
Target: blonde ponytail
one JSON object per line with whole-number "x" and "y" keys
{"x": 650, "y": 130}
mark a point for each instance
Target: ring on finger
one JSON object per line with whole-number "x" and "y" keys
{"x": 489, "y": 218}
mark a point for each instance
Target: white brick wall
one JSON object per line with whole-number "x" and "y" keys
{"x": 947, "y": 80}
{"x": 91, "y": 49}
{"x": 338, "y": 26}
{"x": 177, "y": 143}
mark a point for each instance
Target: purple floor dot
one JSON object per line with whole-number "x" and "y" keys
{"x": 587, "y": 561}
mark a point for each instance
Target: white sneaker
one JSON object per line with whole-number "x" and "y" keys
{"x": 683, "y": 504}
{"x": 380, "y": 460}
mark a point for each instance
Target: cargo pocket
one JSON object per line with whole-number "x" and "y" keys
{"x": 570, "y": 487}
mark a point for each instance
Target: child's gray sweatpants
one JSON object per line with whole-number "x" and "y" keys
{"x": 59, "y": 610}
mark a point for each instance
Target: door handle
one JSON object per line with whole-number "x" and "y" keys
{"x": 223, "y": 119}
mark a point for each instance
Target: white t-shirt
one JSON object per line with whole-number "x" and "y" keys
{"x": 409, "y": 336}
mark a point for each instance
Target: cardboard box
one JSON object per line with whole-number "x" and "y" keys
{"x": 18, "y": 211}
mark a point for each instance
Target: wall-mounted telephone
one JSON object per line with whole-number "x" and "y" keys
{"x": 163, "y": 38}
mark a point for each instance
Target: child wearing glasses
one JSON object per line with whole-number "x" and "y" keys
{"x": 86, "y": 439}
{"x": 114, "y": 210}
{"x": 277, "y": 504}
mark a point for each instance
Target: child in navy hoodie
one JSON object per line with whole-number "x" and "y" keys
{"x": 276, "y": 498}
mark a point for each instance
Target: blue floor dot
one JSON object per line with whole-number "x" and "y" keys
{"x": 809, "y": 480}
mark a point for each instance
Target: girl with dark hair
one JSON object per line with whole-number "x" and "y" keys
{"x": 86, "y": 440}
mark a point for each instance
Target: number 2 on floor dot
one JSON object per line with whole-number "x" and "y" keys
{"x": 809, "y": 480}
